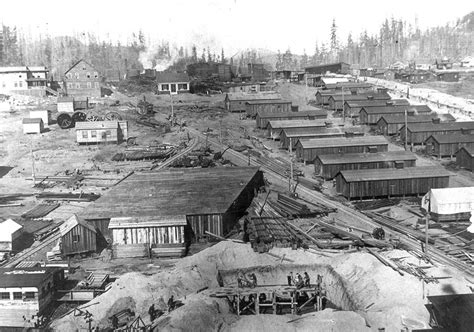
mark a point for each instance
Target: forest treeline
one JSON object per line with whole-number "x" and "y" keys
{"x": 396, "y": 40}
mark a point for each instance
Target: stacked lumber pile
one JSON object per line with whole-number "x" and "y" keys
{"x": 96, "y": 280}
{"x": 40, "y": 210}
{"x": 279, "y": 165}
{"x": 295, "y": 208}
{"x": 151, "y": 122}
{"x": 267, "y": 232}
{"x": 81, "y": 197}
{"x": 376, "y": 204}
{"x": 130, "y": 250}
{"x": 144, "y": 153}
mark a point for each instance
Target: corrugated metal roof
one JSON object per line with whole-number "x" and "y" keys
{"x": 349, "y": 158}
{"x": 148, "y": 221}
{"x": 400, "y": 118}
{"x": 269, "y": 115}
{"x": 342, "y": 141}
{"x": 274, "y": 101}
{"x": 452, "y": 138}
{"x": 25, "y": 277}
{"x": 253, "y": 96}
{"x": 280, "y": 124}
{"x": 86, "y": 125}
{"x": 397, "y": 109}
{"x": 375, "y": 103}
{"x": 32, "y": 120}
{"x": 168, "y": 77}
{"x": 393, "y": 173}
{"x": 426, "y": 127}
{"x": 173, "y": 192}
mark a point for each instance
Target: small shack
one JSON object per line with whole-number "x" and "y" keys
{"x": 447, "y": 145}
{"x": 390, "y": 124}
{"x": 263, "y": 118}
{"x": 296, "y": 134}
{"x": 269, "y": 106}
{"x": 65, "y": 105}
{"x": 77, "y": 237}
{"x": 95, "y": 132}
{"x": 33, "y": 126}
{"x": 44, "y": 115}
{"x": 328, "y": 166}
{"x": 465, "y": 158}
{"x": 418, "y": 132}
{"x": 308, "y": 150}
{"x": 371, "y": 115}
{"x": 388, "y": 182}
{"x": 274, "y": 128}
{"x": 10, "y": 234}
{"x": 449, "y": 204}
{"x": 352, "y": 108}
{"x": 235, "y": 102}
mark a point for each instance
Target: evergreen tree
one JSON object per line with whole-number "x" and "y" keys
{"x": 222, "y": 56}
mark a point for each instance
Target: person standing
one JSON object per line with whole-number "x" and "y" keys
{"x": 307, "y": 282}
{"x": 290, "y": 279}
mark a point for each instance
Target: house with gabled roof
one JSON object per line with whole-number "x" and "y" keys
{"x": 82, "y": 79}
{"x": 172, "y": 83}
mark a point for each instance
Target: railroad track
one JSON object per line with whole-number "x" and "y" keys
{"x": 346, "y": 211}
{"x": 176, "y": 157}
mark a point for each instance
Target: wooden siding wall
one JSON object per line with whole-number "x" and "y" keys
{"x": 310, "y": 154}
{"x": 100, "y": 136}
{"x": 389, "y": 188}
{"x": 464, "y": 159}
{"x": 330, "y": 171}
{"x": 268, "y": 108}
{"x": 149, "y": 235}
{"x": 199, "y": 224}
{"x": 87, "y": 241}
{"x": 421, "y": 137}
{"x": 434, "y": 148}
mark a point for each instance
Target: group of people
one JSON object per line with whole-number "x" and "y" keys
{"x": 155, "y": 313}
{"x": 299, "y": 281}
{"x": 243, "y": 281}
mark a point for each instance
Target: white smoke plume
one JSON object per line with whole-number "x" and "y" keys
{"x": 152, "y": 59}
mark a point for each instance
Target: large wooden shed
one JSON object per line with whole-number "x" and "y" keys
{"x": 77, "y": 237}
{"x": 337, "y": 101}
{"x": 447, "y": 145}
{"x": 296, "y": 134}
{"x": 274, "y": 128}
{"x": 153, "y": 210}
{"x": 235, "y": 102}
{"x": 322, "y": 96}
{"x": 390, "y": 124}
{"x": 328, "y": 166}
{"x": 270, "y": 106}
{"x": 388, "y": 182}
{"x": 308, "y": 150}
{"x": 465, "y": 158}
{"x": 263, "y": 118}
{"x": 371, "y": 115}
{"x": 352, "y": 108}
{"x": 418, "y": 132}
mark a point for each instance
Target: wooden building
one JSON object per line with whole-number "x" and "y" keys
{"x": 322, "y": 96}
{"x": 236, "y": 102}
{"x": 352, "y": 108}
{"x": 390, "y": 182}
{"x": 448, "y": 76}
{"x": 26, "y": 294}
{"x": 447, "y": 145}
{"x": 308, "y": 150}
{"x": 148, "y": 210}
{"x": 243, "y": 87}
{"x": 329, "y": 165}
{"x": 32, "y": 126}
{"x": 274, "y": 128}
{"x": 371, "y": 115}
{"x": 10, "y": 236}
{"x": 225, "y": 72}
{"x": 77, "y": 237}
{"x": 337, "y": 101}
{"x": 390, "y": 124}
{"x": 296, "y": 134}
{"x": 268, "y": 106}
{"x": 465, "y": 158}
{"x": 44, "y": 115}
{"x": 358, "y": 87}
{"x": 82, "y": 79}
{"x": 336, "y": 68}
{"x": 172, "y": 83}
{"x": 95, "y": 132}
{"x": 418, "y": 132}
{"x": 262, "y": 117}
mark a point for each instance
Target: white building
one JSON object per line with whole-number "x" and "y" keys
{"x": 33, "y": 126}
{"x": 23, "y": 78}
{"x": 172, "y": 83}
{"x": 449, "y": 204}
{"x": 44, "y": 115}
{"x": 10, "y": 233}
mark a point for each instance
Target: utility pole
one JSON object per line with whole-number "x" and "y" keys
{"x": 406, "y": 130}
{"x": 306, "y": 87}
{"x": 343, "y": 113}
{"x": 32, "y": 162}
{"x": 172, "y": 109}
{"x": 290, "y": 178}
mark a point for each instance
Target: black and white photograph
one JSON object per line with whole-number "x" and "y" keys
{"x": 236, "y": 165}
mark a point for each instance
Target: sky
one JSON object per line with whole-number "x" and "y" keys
{"x": 232, "y": 24}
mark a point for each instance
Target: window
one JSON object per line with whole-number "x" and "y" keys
{"x": 17, "y": 296}
{"x": 183, "y": 86}
{"x": 108, "y": 133}
{"x": 4, "y": 296}
{"x": 20, "y": 84}
{"x": 30, "y": 295}
{"x": 3, "y": 84}
{"x": 69, "y": 85}
{"x": 84, "y": 134}
{"x": 94, "y": 133}
{"x": 96, "y": 85}
{"x": 76, "y": 238}
{"x": 77, "y": 76}
{"x": 88, "y": 75}
{"x": 96, "y": 74}
{"x": 165, "y": 87}
{"x": 89, "y": 85}
{"x": 78, "y": 85}
{"x": 16, "y": 85}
